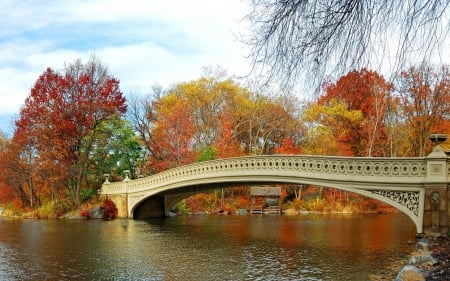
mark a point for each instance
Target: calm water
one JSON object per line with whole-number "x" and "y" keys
{"x": 307, "y": 247}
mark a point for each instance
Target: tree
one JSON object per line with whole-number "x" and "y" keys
{"x": 269, "y": 122}
{"x": 194, "y": 116}
{"x": 207, "y": 98}
{"x": 6, "y": 191}
{"x": 141, "y": 114}
{"x": 61, "y": 115}
{"x": 172, "y": 135}
{"x": 424, "y": 94}
{"x": 329, "y": 127}
{"x": 368, "y": 92}
{"x": 296, "y": 39}
{"x": 117, "y": 148}
{"x": 17, "y": 168}
{"x": 227, "y": 144}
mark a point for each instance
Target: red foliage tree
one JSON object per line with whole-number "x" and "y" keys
{"x": 288, "y": 147}
{"x": 227, "y": 144}
{"x": 369, "y": 92}
{"x": 59, "y": 120}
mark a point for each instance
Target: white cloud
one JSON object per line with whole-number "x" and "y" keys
{"x": 143, "y": 42}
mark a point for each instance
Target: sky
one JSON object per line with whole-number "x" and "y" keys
{"x": 142, "y": 42}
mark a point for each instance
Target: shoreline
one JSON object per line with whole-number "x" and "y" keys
{"x": 429, "y": 261}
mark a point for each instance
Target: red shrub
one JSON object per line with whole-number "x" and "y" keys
{"x": 85, "y": 213}
{"x": 109, "y": 209}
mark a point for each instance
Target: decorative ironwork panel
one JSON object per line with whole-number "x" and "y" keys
{"x": 408, "y": 199}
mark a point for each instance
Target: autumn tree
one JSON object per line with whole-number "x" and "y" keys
{"x": 424, "y": 94}
{"x": 6, "y": 191}
{"x": 227, "y": 144}
{"x": 208, "y": 98}
{"x": 172, "y": 136}
{"x": 296, "y": 40}
{"x": 60, "y": 118}
{"x": 329, "y": 126}
{"x": 18, "y": 167}
{"x": 368, "y": 92}
{"x": 192, "y": 118}
{"x": 268, "y": 124}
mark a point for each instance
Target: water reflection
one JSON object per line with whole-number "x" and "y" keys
{"x": 309, "y": 247}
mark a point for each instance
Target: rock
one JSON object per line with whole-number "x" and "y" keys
{"x": 410, "y": 273}
{"x": 97, "y": 212}
{"x": 427, "y": 259}
{"x": 422, "y": 245}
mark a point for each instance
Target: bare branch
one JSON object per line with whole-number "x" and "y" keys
{"x": 294, "y": 40}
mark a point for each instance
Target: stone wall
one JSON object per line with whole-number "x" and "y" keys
{"x": 448, "y": 210}
{"x": 121, "y": 202}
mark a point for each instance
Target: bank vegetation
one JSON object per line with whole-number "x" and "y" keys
{"x": 77, "y": 125}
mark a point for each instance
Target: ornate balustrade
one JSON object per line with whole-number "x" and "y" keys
{"x": 375, "y": 170}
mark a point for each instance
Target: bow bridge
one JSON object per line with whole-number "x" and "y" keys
{"x": 418, "y": 186}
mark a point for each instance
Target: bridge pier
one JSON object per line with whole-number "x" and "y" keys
{"x": 436, "y": 215}
{"x": 436, "y": 210}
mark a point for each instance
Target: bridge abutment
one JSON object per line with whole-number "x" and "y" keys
{"x": 448, "y": 209}
{"x": 436, "y": 210}
{"x": 121, "y": 202}
{"x": 436, "y": 206}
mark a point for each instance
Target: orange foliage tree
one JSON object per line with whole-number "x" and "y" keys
{"x": 368, "y": 92}
{"x": 172, "y": 135}
{"x": 210, "y": 113}
{"x": 424, "y": 94}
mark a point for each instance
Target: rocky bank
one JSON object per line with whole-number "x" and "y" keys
{"x": 430, "y": 261}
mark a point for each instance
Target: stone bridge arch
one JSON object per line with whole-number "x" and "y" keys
{"x": 406, "y": 199}
{"x": 405, "y": 183}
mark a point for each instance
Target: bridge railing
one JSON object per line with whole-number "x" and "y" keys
{"x": 409, "y": 169}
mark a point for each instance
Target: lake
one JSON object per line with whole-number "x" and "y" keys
{"x": 253, "y": 247}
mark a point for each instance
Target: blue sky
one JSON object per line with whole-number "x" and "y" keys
{"x": 143, "y": 43}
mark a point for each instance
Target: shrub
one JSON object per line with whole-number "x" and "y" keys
{"x": 182, "y": 208}
{"x": 242, "y": 203}
{"x": 17, "y": 205}
{"x": 46, "y": 210}
{"x": 85, "y": 213}
{"x": 299, "y": 204}
{"x": 62, "y": 206}
{"x": 109, "y": 209}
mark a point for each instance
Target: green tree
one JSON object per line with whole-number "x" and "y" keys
{"x": 117, "y": 149}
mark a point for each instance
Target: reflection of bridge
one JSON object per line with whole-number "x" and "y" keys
{"x": 419, "y": 186}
